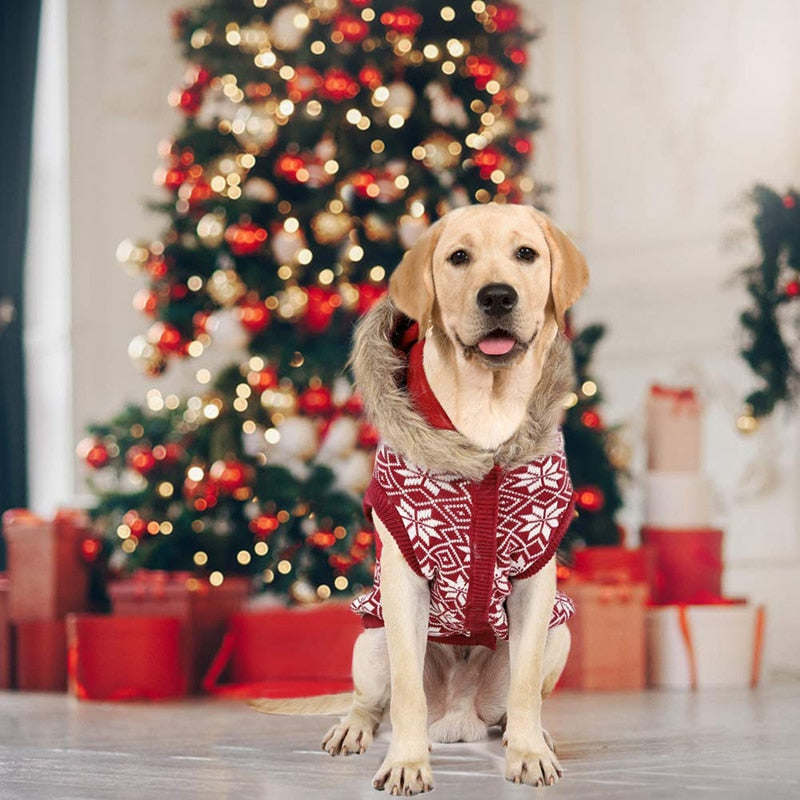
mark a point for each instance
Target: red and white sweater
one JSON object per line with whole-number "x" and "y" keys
{"x": 469, "y": 539}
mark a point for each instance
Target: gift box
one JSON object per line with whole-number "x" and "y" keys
{"x": 673, "y": 429}
{"x": 40, "y": 647}
{"x": 687, "y": 564}
{"x": 126, "y": 658}
{"x": 608, "y": 636}
{"x": 5, "y": 635}
{"x": 203, "y": 608}
{"x": 700, "y": 646}
{"x": 47, "y": 575}
{"x": 613, "y": 564}
{"x": 287, "y": 652}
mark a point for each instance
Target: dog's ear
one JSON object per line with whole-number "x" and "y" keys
{"x": 411, "y": 284}
{"x": 569, "y": 274}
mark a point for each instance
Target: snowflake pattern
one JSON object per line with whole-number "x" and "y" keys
{"x": 434, "y": 522}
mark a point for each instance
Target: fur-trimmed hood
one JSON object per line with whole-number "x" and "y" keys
{"x": 379, "y": 371}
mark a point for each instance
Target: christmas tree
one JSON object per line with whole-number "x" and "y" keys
{"x": 770, "y": 322}
{"x": 319, "y": 139}
{"x": 595, "y": 455}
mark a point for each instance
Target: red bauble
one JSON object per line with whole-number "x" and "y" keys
{"x": 230, "y": 476}
{"x": 201, "y": 494}
{"x": 289, "y": 165}
{"x": 97, "y": 455}
{"x": 338, "y": 85}
{"x": 371, "y": 77}
{"x": 590, "y": 498}
{"x": 146, "y": 301}
{"x": 199, "y": 192}
{"x": 167, "y": 338}
{"x": 322, "y": 539}
{"x": 262, "y": 380}
{"x": 170, "y": 453}
{"x": 368, "y": 436}
{"x": 354, "y": 405}
{"x": 90, "y": 550}
{"x": 522, "y": 145}
{"x": 591, "y": 419}
{"x": 517, "y": 55}
{"x": 789, "y": 201}
{"x": 199, "y": 322}
{"x": 792, "y": 289}
{"x": 319, "y": 308}
{"x": 505, "y": 16}
{"x": 352, "y": 29}
{"x": 487, "y": 161}
{"x": 304, "y": 84}
{"x": 365, "y": 184}
{"x": 137, "y": 525}
{"x": 482, "y": 69}
{"x": 253, "y": 314}
{"x": 263, "y": 525}
{"x": 174, "y": 178}
{"x": 157, "y": 268}
{"x": 189, "y": 100}
{"x": 368, "y": 295}
{"x": 245, "y": 238}
{"x": 140, "y": 459}
{"x": 316, "y": 402}
{"x": 402, "y": 19}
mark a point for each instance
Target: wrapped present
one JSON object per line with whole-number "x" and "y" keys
{"x": 700, "y": 646}
{"x": 204, "y": 609}
{"x": 126, "y": 658}
{"x": 687, "y": 564}
{"x": 47, "y": 574}
{"x": 677, "y": 500}
{"x": 608, "y": 635}
{"x": 287, "y": 652}
{"x": 673, "y": 429}
{"x": 40, "y": 647}
{"x": 613, "y": 564}
{"x": 5, "y": 635}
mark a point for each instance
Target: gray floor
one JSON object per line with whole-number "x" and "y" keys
{"x": 731, "y": 744}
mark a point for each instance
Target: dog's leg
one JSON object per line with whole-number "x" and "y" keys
{"x": 529, "y": 758}
{"x": 405, "y": 599}
{"x": 354, "y": 732}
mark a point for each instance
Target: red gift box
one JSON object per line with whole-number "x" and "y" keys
{"x": 287, "y": 652}
{"x": 613, "y": 564}
{"x": 688, "y": 564}
{"x": 5, "y": 635}
{"x": 126, "y": 658}
{"x": 608, "y": 636}
{"x": 673, "y": 429}
{"x": 40, "y": 646}
{"x": 204, "y": 609}
{"x": 47, "y": 575}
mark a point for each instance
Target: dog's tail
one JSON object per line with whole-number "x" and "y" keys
{"x": 321, "y": 705}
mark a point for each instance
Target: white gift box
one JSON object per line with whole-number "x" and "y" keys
{"x": 704, "y": 646}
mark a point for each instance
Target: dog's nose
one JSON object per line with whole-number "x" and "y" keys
{"x": 496, "y": 299}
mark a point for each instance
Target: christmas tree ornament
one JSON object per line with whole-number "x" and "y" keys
{"x": 230, "y": 476}
{"x": 225, "y": 287}
{"x": 330, "y": 228}
{"x": 291, "y": 167}
{"x": 211, "y": 229}
{"x": 226, "y": 331}
{"x": 146, "y": 356}
{"x": 316, "y": 401}
{"x": 402, "y": 19}
{"x": 286, "y": 245}
{"x": 304, "y": 84}
{"x": 254, "y": 315}
{"x": 321, "y": 305}
{"x": 288, "y": 27}
{"x": 263, "y": 379}
{"x": 146, "y": 301}
{"x": 339, "y": 85}
{"x": 590, "y": 498}
{"x": 264, "y": 525}
{"x": 93, "y": 452}
{"x": 371, "y": 77}
{"x": 746, "y": 422}
{"x": 167, "y": 338}
{"x": 245, "y": 238}
{"x": 140, "y": 458}
{"x": 349, "y": 28}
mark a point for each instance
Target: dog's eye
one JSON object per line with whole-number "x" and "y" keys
{"x": 458, "y": 258}
{"x": 527, "y": 254}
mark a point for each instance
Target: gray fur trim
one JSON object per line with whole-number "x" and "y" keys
{"x": 379, "y": 370}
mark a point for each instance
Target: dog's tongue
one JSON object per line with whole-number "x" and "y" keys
{"x": 496, "y": 345}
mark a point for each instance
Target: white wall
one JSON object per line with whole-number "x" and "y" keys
{"x": 662, "y": 114}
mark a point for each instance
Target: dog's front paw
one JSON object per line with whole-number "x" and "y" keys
{"x": 353, "y": 735}
{"x": 404, "y": 778}
{"x": 536, "y": 766}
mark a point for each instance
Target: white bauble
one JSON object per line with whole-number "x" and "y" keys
{"x": 409, "y": 229}
{"x": 340, "y": 440}
{"x": 298, "y": 440}
{"x": 288, "y": 27}
{"x": 353, "y": 473}
{"x": 286, "y": 246}
{"x": 226, "y": 330}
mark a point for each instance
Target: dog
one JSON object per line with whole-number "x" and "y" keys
{"x": 463, "y": 368}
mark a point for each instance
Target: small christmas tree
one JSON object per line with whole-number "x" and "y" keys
{"x": 593, "y": 454}
{"x": 770, "y": 323}
{"x": 319, "y": 139}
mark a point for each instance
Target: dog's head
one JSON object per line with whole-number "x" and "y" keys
{"x": 490, "y": 277}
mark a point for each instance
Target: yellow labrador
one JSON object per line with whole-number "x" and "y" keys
{"x": 489, "y": 286}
